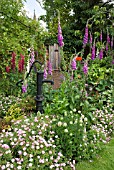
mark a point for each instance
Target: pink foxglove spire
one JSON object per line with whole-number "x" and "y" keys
{"x": 60, "y": 37}
{"x": 85, "y": 40}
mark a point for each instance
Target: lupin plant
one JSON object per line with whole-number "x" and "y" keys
{"x": 13, "y": 64}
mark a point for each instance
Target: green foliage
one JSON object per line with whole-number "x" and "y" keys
{"x": 6, "y": 103}
{"x": 13, "y": 113}
{"x": 74, "y": 16}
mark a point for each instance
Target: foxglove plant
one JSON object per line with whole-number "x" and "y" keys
{"x": 108, "y": 42}
{"x": 85, "y": 40}
{"x": 49, "y": 68}
{"x": 93, "y": 52}
{"x": 73, "y": 64}
{"x": 45, "y": 73}
{"x": 101, "y": 54}
{"x": 91, "y": 39}
{"x": 112, "y": 43}
{"x": 24, "y": 88}
{"x": 85, "y": 68}
{"x": 101, "y": 37}
{"x": 60, "y": 37}
{"x": 32, "y": 59}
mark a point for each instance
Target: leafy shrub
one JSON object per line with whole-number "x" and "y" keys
{"x": 6, "y": 102}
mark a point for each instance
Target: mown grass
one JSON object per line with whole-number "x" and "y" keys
{"x": 105, "y": 160}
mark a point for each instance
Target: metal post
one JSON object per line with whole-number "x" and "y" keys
{"x": 39, "y": 96}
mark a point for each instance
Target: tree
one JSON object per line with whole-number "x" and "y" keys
{"x": 74, "y": 15}
{"x": 17, "y": 31}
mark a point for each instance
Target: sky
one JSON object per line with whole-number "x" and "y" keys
{"x": 31, "y": 5}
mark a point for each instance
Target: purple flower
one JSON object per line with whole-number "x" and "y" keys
{"x": 101, "y": 36}
{"x": 112, "y": 42}
{"x": 108, "y": 39}
{"x": 106, "y": 46}
{"x": 73, "y": 64}
{"x": 60, "y": 37}
{"x": 24, "y": 88}
{"x": 91, "y": 39}
{"x": 32, "y": 59}
{"x": 85, "y": 68}
{"x": 85, "y": 40}
{"x": 45, "y": 73}
{"x": 93, "y": 52}
{"x": 113, "y": 61}
{"x": 49, "y": 68}
{"x": 101, "y": 54}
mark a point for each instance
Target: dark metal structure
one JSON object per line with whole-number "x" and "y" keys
{"x": 39, "y": 96}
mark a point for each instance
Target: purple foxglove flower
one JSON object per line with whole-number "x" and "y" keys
{"x": 32, "y": 59}
{"x": 85, "y": 40}
{"x": 60, "y": 37}
{"x": 45, "y": 73}
{"x": 108, "y": 39}
{"x": 112, "y": 43}
{"x": 73, "y": 64}
{"x": 101, "y": 54}
{"x": 113, "y": 61}
{"x": 49, "y": 68}
{"x": 101, "y": 36}
{"x": 106, "y": 46}
{"x": 85, "y": 68}
{"x": 91, "y": 39}
{"x": 24, "y": 88}
{"x": 93, "y": 52}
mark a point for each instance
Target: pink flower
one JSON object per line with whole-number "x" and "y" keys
{"x": 45, "y": 73}
{"x": 85, "y": 68}
{"x": 13, "y": 61}
{"x": 49, "y": 68}
{"x": 5, "y": 146}
{"x": 85, "y": 40}
{"x": 7, "y": 69}
{"x": 73, "y": 64}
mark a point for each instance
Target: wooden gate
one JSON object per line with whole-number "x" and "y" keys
{"x": 54, "y": 56}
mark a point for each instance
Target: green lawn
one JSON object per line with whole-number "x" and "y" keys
{"x": 105, "y": 161}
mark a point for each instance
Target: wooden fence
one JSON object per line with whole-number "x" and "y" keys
{"x": 54, "y": 56}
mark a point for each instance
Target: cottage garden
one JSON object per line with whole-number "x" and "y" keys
{"x": 77, "y": 118}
